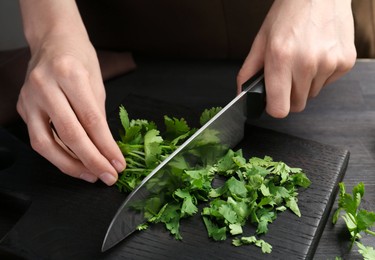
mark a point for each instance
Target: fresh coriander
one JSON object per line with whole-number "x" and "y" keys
{"x": 357, "y": 220}
{"x": 254, "y": 190}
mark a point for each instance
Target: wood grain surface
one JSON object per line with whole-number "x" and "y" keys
{"x": 66, "y": 218}
{"x": 340, "y": 119}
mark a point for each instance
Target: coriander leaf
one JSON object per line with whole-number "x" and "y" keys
{"x": 365, "y": 219}
{"x": 214, "y": 193}
{"x": 255, "y": 182}
{"x": 242, "y": 208}
{"x": 188, "y": 207}
{"x": 235, "y": 229}
{"x": 244, "y": 241}
{"x": 214, "y": 231}
{"x": 239, "y": 161}
{"x": 152, "y": 147}
{"x": 226, "y": 211}
{"x": 124, "y": 117}
{"x": 170, "y": 216}
{"x": 300, "y": 179}
{"x": 132, "y": 135}
{"x": 152, "y": 207}
{"x": 292, "y": 204}
{"x": 281, "y": 208}
{"x": 265, "y": 216}
{"x": 142, "y": 226}
{"x": 267, "y": 161}
{"x": 200, "y": 179}
{"x": 226, "y": 162}
{"x": 207, "y": 114}
{"x": 266, "y": 247}
{"x": 367, "y": 252}
{"x": 346, "y": 201}
{"x": 358, "y": 189}
{"x": 262, "y": 226}
{"x": 265, "y": 190}
{"x": 236, "y": 187}
{"x": 350, "y": 224}
{"x": 175, "y": 127}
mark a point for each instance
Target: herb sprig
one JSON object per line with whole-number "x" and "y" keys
{"x": 357, "y": 220}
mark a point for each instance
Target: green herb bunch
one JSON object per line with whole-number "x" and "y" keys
{"x": 235, "y": 191}
{"x": 357, "y": 220}
{"x": 144, "y": 147}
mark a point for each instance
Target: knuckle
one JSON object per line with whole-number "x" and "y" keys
{"x": 91, "y": 119}
{"x": 340, "y": 62}
{"x": 281, "y": 49}
{"x": 308, "y": 64}
{"x": 36, "y": 77}
{"x": 329, "y": 62}
{"x": 347, "y": 60}
{"x": 94, "y": 164}
{"x": 68, "y": 132}
{"x": 67, "y": 67}
{"x": 39, "y": 143}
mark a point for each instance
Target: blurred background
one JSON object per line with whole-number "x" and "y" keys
{"x": 10, "y": 26}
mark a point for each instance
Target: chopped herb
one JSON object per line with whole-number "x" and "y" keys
{"x": 252, "y": 190}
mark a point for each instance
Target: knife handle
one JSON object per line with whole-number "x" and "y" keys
{"x": 256, "y": 95}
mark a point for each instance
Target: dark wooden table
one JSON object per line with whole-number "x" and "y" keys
{"x": 342, "y": 115}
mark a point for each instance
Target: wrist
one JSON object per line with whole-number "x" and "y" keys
{"x": 49, "y": 19}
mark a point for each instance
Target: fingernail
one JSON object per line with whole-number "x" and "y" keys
{"x": 118, "y": 166}
{"x": 88, "y": 177}
{"x": 108, "y": 178}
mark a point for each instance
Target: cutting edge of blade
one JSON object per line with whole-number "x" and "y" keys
{"x": 105, "y": 245}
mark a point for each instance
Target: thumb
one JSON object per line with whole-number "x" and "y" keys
{"x": 253, "y": 62}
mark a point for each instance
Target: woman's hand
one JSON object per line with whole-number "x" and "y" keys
{"x": 302, "y": 46}
{"x": 64, "y": 88}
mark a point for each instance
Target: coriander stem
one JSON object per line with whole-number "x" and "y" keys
{"x": 136, "y": 155}
{"x": 134, "y": 163}
{"x": 368, "y": 231}
{"x": 139, "y": 152}
{"x": 352, "y": 218}
{"x": 136, "y": 170}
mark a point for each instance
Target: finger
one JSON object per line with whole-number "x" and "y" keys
{"x": 338, "y": 73}
{"x": 299, "y": 94}
{"x": 42, "y": 141}
{"x": 302, "y": 78}
{"x": 75, "y": 138}
{"x": 91, "y": 116}
{"x": 278, "y": 80}
{"x": 253, "y": 62}
{"x": 320, "y": 81}
{"x": 328, "y": 71}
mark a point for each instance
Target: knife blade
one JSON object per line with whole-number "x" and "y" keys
{"x": 225, "y": 128}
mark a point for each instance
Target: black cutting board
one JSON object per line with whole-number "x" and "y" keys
{"x": 47, "y": 215}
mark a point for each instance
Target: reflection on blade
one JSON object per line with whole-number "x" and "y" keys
{"x": 225, "y": 130}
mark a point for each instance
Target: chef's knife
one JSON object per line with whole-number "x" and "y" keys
{"x": 226, "y": 128}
